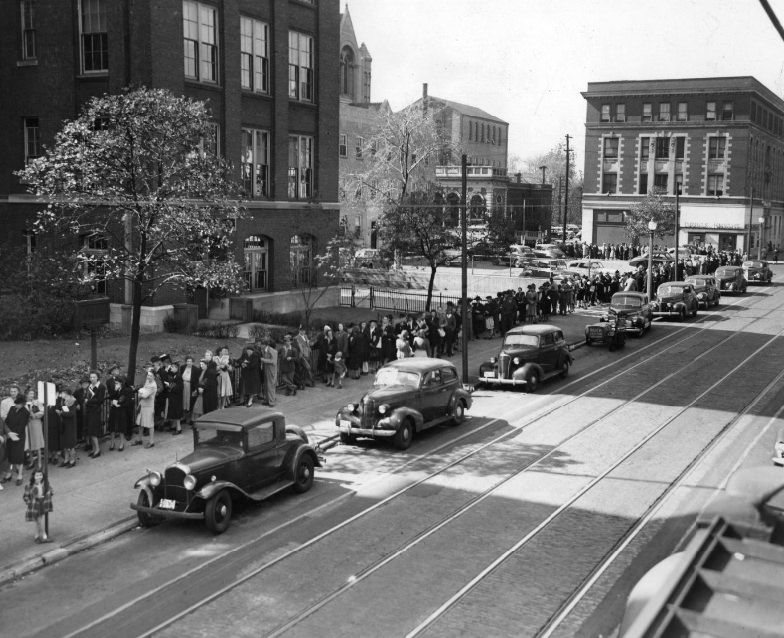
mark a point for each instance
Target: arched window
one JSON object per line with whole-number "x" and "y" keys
{"x": 477, "y": 209}
{"x": 452, "y": 209}
{"x": 256, "y": 250}
{"x": 347, "y": 72}
{"x": 301, "y": 261}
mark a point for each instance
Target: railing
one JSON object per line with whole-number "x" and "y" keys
{"x": 403, "y": 301}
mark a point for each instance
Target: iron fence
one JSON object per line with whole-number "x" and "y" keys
{"x": 402, "y": 301}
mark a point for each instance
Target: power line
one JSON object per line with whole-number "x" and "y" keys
{"x": 766, "y": 5}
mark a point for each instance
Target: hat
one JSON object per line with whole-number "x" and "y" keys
{"x": 165, "y": 356}
{"x": 338, "y": 355}
{"x": 477, "y": 298}
{"x": 328, "y": 327}
{"x": 114, "y": 367}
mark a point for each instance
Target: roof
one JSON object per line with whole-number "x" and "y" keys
{"x": 465, "y": 109}
{"x": 536, "y": 329}
{"x": 240, "y": 416}
{"x": 419, "y": 364}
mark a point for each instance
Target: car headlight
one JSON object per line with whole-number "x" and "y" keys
{"x": 155, "y": 478}
{"x": 351, "y": 407}
{"x": 189, "y": 482}
{"x": 383, "y": 409}
{"x": 516, "y": 361}
{"x": 493, "y": 360}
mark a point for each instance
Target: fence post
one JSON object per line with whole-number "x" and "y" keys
{"x": 372, "y": 301}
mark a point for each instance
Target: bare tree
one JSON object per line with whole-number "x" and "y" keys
{"x": 655, "y": 207}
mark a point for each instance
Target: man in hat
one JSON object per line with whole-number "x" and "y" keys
{"x": 288, "y": 365}
{"x": 477, "y": 316}
{"x": 114, "y": 387}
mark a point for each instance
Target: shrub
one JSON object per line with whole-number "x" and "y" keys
{"x": 219, "y": 331}
{"x": 172, "y": 324}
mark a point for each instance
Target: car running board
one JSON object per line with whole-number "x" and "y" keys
{"x": 265, "y": 492}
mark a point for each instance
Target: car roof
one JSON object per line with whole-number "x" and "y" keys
{"x": 700, "y": 277}
{"x": 536, "y": 329}
{"x": 239, "y": 416}
{"x": 419, "y": 364}
{"x": 630, "y": 293}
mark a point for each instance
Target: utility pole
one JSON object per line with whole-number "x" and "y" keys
{"x": 560, "y": 179}
{"x": 566, "y": 190}
{"x": 464, "y": 267}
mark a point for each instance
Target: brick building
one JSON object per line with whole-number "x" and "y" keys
{"x": 267, "y": 68}
{"x": 718, "y": 140}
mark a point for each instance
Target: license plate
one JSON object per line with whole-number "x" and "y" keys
{"x": 167, "y": 504}
{"x": 489, "y": 375}
{"x": 345, "y": 424}
{"x": 596, "y": 332}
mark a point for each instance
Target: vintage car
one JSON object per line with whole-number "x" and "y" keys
{"x": 730, "y": 279}
{"x": 545, "y": 268}
{"x": 369, "y": 258}
{"x": 675, "y": 299}
{"x": 636, "y": 310}
{"x": 657, "y": 258}
{"x": 609, "y": 331}
{"x": 408, "y": 396}
{"x": 757, "y": 272}
{"x": 518, "y": 256}
{"x": 778, "y": 448}
{"x": 588, "y": 267}
{"x": 706, "y": 288}
{"x": 529, "y": 355}
{"x": 237, "y": 453}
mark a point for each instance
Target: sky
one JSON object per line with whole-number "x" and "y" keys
{"x": 527, "y": 62}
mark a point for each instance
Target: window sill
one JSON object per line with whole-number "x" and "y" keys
{"x": 33, "y": 62}
{"x": 97, "y": 75}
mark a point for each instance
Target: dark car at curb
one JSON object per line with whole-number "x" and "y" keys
{"x": 636, "y": 310}
{"x": 757, "y": 272}
{"x": 730, "y": 279}
{"x": 675, "y": 299}
{"x": 706, "y": 288}
{"x": 237, "y": 453}
{"x": 529, "y": 355}
{"x": 408, "y": 396}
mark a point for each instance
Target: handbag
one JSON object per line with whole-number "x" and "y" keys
{"x": 441, "y": 332}
{"x": 365, "y": 367}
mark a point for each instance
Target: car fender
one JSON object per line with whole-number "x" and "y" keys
{"x": 460, "y": 394}
{"x": 522, "y": 372}
{"x": 296, "y": 456}
{"x": 143, "y": 483}
{"x": 212, "y": 488}
{"x": 400, "y": 414}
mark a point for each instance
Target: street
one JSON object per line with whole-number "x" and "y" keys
{"x": 533, "y": 518}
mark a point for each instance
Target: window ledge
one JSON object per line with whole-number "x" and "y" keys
{"x": 97, "y": 75}
{"x": 33, "y": 62}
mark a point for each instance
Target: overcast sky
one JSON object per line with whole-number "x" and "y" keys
{"x": 527, "y": 62}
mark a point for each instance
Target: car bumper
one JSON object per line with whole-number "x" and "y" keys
{"x": 155, "y": 511}
{"x": 496, "y": 381}
{"x": 353, "y": 428}
{"x": 666, "y": 313}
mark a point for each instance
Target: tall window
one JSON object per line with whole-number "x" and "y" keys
{"x": 300, "y": 67}
{"x": 647, "y": 112}
{"x": 643, "y": 190}
{"x": 200, "y": 41}
{"x": 32, "y": 142}
{"x": 343, "y": 145}
{"x": 609, "y": 183}
{"x": 620, "y": 112}
{"x": 660, "y": 181}
{"x": 710, "y": 110}
{"x": 300, "y": 259}
{"x": 645, "y": 149}
{"x": 683, "y": 111}
{"x": 93, "y": 37}
{"x": 470, "y": 131}
{"x": 605, "y": 117}
{"x": 300, "y": 167}
{"x": 347, "y": 72}
{"x": 360, "y": 146}
{"x": 95, "y": 247}
{"x": 254, "y": 55}
{"x": 680, "y": 147}
{"x": 715, "y": 186}
{"x": 255, "y": 162}
{"x": 664, "y": 112}
{"x": 662, "y": 148}
{"x": 716, "y": 147}
{"x": 28, "y": 30}
{"x": 256, "y": 262}
{"x": 611, "y": 147}
{"x": 727, "y": 110}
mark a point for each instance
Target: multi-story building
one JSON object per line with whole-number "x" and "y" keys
{"x": 719, "y": 141}
{"x": 268, "y": 68}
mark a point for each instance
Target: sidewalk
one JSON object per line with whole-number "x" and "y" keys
{"x": 92, "y": 500}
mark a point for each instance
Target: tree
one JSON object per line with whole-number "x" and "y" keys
{"x": 401, "y": 156}
{"x": 654, "y": 207}
{"x": 137, "y": 181}
{"x": 322, "y": 272}
{"x": 554, "y": 162}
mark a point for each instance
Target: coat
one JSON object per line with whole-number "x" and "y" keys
{"x": 209, "y": 383}
{"x": 37, "y": 504}
{"x": 92, "y": 410}
{"x": 250, "y": 373}
{"x": 16, "y": 421}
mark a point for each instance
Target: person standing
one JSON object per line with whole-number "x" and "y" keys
{"x": 450, "y": 329}
{"x": 174, "y": 404}
{"x": 96, "y": 393}
{"x": 269, "y": 359}
{"x": 66, "y": 406}
{"x": 38, "y": 496}
{"x": 16, "y": 421}
{"x": 250, "y": 374}
{"x": 80, "y": 394}
{"x": 146, "y": 416}
{"x": 209, "y": 381}
{"x": 288, "y": 366}
{"x": 35, "y": 430}
{"x": 225, "y": 389}
{"x": 375, "y": 346}
{"x": 127, "y": 410}
{"x": 302, "y": 343}
{"x": 353, "y": 353}
{"x": 113, "y": 389}
{"x": 5, "y": 406}
{"x": 189, "y": 373}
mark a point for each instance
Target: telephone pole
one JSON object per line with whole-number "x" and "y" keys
{"x": 566, "y": 190}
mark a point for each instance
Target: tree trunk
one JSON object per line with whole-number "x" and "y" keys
{"x": 433, "y": 269}
{"x": 136, "y": 315}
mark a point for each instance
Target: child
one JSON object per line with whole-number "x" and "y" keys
{"x": 38, "y": 496}
{"x": 339, "y": 370}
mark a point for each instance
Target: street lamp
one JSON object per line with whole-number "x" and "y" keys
{"x": 759, "y": 242}
{"x": 652, "y": 225}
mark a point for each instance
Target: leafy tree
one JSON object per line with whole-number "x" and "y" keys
{"x": 137, "y": 175}
{"x": 323, "y": 272}
{"x": 400, "y": 176}
{"x": 656, "y": 206}
{"x": 501, "y": 229}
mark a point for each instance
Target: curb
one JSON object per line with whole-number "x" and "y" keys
{"x": 57, "y": 554}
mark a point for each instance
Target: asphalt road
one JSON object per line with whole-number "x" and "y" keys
{"x": 534, "y": 517}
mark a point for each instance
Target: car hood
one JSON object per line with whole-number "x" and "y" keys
{"x": 205, "y": 457}
{"x": 672, "y": 299}
{"x": 522, "y": 353}
{"x": 625, "y": 310}
{"x": 390, "y": 392}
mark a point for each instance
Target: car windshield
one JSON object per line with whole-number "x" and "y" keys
{"x": 394, "y": 376}
{"x": 626, "y": 300}
{"x": 668, "y": 290}
{"x": 752, "y": 264}
{"x": 209, "y": 434}
{"x": 532, "y": 341}
{"x": 725, "y": 272}
{"x": 697, "y": 282}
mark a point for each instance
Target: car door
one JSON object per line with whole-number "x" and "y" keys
{"x": 433, "y": 395}
{"x": 547, "y": 352}
{"x": 263, "y": 456}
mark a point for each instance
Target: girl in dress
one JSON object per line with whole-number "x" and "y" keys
{"x": 38, "y": 496}
{"x": 35, "y": 429}
{"x": 146, "y": 418}
{"x": 225, "y": 390}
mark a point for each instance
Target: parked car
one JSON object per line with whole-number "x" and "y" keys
{"x": 611, "y": 331}
{"x": 778, "y": 448}
{"x": 658, "y": 258}
{"x": 369, "y": 258}
{"x": 546, "y": 268}
{"x": 588, "y": 267}
{"x": 675, "y": 299}
{"x": 529, "y": 355}
{"x": 636, "y": 309}
{"x": 730, "y": 279}
{"x": 549, "y": 251}
{"x": 408, "y": 396}
{"x": 706, "y": 288}
{"x": 237, "y": 453}
{"x": 518, "y": 256}
{"x": 757, "y": 272}
{"x": 485, "y": 251}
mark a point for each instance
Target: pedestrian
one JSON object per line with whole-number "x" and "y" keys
{"x": 209, "y": 382}
{"x": 339, "y": 369}
{"x": 146, "y": 413}
{"x": 53, "y": 429}
{"x": 197, "y": 400}
{"x": 304, "y": 362}
{"x": 35, "y": 430}
{"x": 80, "y": 394}
{"x": 375, "y": 346}
{"x": 189, "y": 373}
{"x": 354, "y": 356}
{"x": 7, "y": 438}
{"x": 93, "y": 407}
{"x": 269, "y": 359}
{"x": 127, "y": 410}
{"x": 288, "y": 365}
{"x": 388, "y": 338}
{"x": 250, "y": 374}
{"x": 17, "y": 421}
{"x": 66, "y": 406}
{"x": 38, "y": 496}
{"x": 113, "y": 389}
{"x": 225, "y": 390}
{"x": 174, "y": 404}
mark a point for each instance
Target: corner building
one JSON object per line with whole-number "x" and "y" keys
{"x": 268, "y": 68}
{"x": 719, "y": 141}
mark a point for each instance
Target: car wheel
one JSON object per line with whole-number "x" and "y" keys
{"x": 682, "y": 314}
{"x": 643, "y": 328}
{"x": 217, "y": 514}
{"x": 304, "y": 476}
{"x": 564, "y": 369}
{"x": 458, "y": 414}
{"x": 145, "y": 519}
{"x": 347, "y": 439}
{"x": 532, "y": 381}
{"x": 295, "y": 429}
{"x": 404, "y": 435}
{"x": 694, "y": 314}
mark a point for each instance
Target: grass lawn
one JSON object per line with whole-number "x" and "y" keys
{"x": 67, "y": 360}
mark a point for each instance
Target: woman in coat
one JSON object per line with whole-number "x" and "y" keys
{"x": 225, "y": 390}
{"x": 93, "y": 407}
{"x": 35, "y": 430}
{"x": 190, "y": 374}
{"x": 146, "y": 417}
{"x": 269, "y": 359}
{"x": 174, "y": 406}
{"x": 354, "y": 359}
{"x": 66, "y": 406}
{"x": 209, "y": 382}
{"x": 388, "y": 339}
{"x": 16, "y": 422}
{"x": 375, "y": 346}
{"x": 250, "y": 375}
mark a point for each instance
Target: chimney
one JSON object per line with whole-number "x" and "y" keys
{"x": 424, "y": 90}
{"x": 519, "y": 177}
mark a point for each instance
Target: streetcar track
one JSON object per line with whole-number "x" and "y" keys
{"x": 527, "y": 422}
